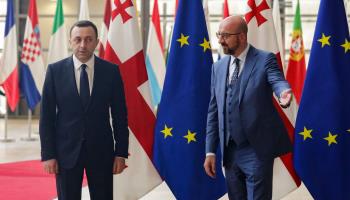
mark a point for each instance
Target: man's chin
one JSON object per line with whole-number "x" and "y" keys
{"x": 83, "y": 58}
{"x": 225, "y": 50}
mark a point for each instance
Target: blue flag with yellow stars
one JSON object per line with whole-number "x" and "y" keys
{"x": 322, "y": 131}
{"x": 179, "y": 147}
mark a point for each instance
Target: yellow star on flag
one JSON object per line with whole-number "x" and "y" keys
{"x": 190, "y": 136}
{"x": 331, "y": 138}
{"x": 324, "y": 40}
{"x": 346, "y": 45}
{"x": 348, "y": 130}
{"x": 205, "y": 44}
{"x": 306, "y": 133}
{"x": 167, "y": 131}
{"x": 183, "y": 40}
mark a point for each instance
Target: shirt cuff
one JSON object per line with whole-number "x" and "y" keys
{"x": 210, "y": 154}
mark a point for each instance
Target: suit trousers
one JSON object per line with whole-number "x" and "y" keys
{"x": 247, "y": 176}
{"x": 99, "y": 177}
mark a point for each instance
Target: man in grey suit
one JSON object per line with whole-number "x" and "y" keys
{"x": 80, "y": 95}
{"x": 242, "y": 119}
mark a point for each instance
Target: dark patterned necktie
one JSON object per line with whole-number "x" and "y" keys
{"x": 84, "y": 86}
{"x": 235, "y": 73}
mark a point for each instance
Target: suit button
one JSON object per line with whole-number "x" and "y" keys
{"x": 229, "y": 103}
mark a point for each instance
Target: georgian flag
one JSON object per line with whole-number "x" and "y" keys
{"x": 262, "y": 35}
{"x": 124, "y": 47}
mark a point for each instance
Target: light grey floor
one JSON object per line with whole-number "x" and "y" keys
{"x": 21, "y": 150}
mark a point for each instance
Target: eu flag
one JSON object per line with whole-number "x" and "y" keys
{"x": 322, "y": 138}
{"x": 179, "y": 149}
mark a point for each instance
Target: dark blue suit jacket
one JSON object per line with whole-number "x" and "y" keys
{"x": 259, "y": 118}
{"x": 65, "y": 124}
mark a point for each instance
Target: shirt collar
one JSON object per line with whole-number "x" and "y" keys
{"x": 242, "y": 56}
{"x": 78, "y": 63}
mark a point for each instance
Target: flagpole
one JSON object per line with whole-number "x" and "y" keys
{"x": 29, "y": 138}
{"x": 6, "y": 139}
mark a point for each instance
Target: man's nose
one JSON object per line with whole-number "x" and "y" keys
{"x": 83, "y": 43}
{"x": 221, "y": 40}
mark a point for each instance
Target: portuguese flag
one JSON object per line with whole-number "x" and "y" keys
{"x": 296, "y": 66}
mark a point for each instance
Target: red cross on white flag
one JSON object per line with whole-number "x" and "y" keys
{"x": 120, "y": 9}
{"x": 124, "y": 47}
{"x": 262, "y": 35}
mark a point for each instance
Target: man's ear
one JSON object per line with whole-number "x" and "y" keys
{"x": 98, "y": 41}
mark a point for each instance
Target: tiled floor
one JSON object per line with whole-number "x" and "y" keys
{"x": 20, "y": 150}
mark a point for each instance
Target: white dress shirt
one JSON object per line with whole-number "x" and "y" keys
{"x": 89, "y": 70}
{"x": 241, "y": 58}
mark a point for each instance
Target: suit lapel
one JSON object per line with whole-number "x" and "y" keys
{"x": 69, "y": 69}
{"x": 96, "y": 76}
{"x": 222, "y": 76}
{"x": 247, "y": 70}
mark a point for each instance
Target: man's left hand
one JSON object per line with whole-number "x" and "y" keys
{"x": 119, "y": 165}
{"x": 285, "y": 98}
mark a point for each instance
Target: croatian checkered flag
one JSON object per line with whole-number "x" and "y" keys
{"x": 32, "y": 65}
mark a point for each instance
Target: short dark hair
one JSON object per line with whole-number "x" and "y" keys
{"x": 84, "y": 23}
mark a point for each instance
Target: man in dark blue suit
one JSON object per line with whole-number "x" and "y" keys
{"x": 242, "y": 119}
{"x": 80, "y": 95}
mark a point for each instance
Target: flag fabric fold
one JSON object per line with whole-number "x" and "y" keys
{"x": 32, "y": 65}
{"x": 296, "y": 67}
{"x": 9, "y": 79}
{"x": 207, "y": 15}
{"x": 58, "y": 47}
{"x": 225, "y": 13}
{"x": 124, "y": 48}
{"x": 179, "y": 150}
{"x": 104, "y": 29}
{"x": 226, "y": 10}
{"x": 277, "y": 22}
{"x": 322, "y": 129}
{"x": 84, "y": 13}
{"x": 155, "y": 61}
{"x": 262, "y": 34}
